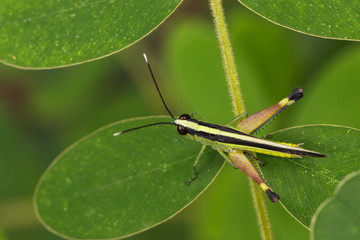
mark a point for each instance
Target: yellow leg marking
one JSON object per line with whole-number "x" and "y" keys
{"x": 285, "y": 102}
{"x": 264, "y": 187}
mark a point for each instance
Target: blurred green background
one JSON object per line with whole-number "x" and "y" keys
{"x": 43, "y": 112}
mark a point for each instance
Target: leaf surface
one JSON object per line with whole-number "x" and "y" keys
{"x": 45, "y": 34}
{"x": 339, "y": 217}
{"x": 328, "y": 19}
{"x": 304, "y": 183}
{"x": 111, "y": 187}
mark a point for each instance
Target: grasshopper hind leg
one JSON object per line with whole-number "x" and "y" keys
{"x": 271, "y": 194}
{"x": 238, "y": 119}
{"x": 248, "y": 165}
{"x": 252, "y": 156}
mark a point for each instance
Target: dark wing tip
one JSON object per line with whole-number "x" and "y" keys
{"x": 307, "y": 153}
{"x": 314, "y": 154}
{"x": 320, "y": 155}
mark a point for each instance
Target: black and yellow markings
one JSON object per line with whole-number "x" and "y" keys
{"x": 237, "y": 142}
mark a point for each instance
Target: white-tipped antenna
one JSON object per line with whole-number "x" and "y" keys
{"x": 167, "y": 109}
{"x": 157, "y": 87}
{"x": 146, "y": 60}
{"x": 148, "y": 125}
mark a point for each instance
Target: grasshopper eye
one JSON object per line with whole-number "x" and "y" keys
{"x": 184, "y": 116}
{"x": 182, "y": 130}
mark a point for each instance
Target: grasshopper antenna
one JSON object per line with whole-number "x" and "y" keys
{"x": 157, "y": 87}
{"x": 162, "y": 99}
{"x": 148, "y": 125}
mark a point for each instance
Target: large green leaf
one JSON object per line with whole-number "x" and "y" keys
{"x": 329, "y": 19}
{"x": 339, "y": 217}
{"x": 304, "y": 183}
{"x": 43, "y": 34}
{"x": 110, "y": 187}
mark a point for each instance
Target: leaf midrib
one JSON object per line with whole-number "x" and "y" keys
{"x": 121, "y": 181}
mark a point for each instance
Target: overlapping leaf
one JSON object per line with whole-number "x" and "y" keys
{"x": 339, "y": 217}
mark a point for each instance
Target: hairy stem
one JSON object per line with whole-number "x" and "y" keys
{"x": 261, "y": 212}
{"x": 237, "y": 104}
{"x": 227, "y": 57}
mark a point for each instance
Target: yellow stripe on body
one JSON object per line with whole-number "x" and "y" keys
{"x": 251, "y": 139}
{"x": 248, "y": 138}
{"x": 263, "y": 151}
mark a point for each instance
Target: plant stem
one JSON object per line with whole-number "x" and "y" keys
{"x": 227, "y": 56}
{"x": 238, "y": 104}
{"x": 261, "y": 212}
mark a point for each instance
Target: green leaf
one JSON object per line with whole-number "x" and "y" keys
{"x": 329, "y": 19}
{"x": 110, "y": 187}
{"x": 44, "y": 34}
{"x": 304, "y": 183}
{"x": 339, "y": 217}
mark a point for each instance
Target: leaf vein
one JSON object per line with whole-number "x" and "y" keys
{"x": 312, "y": 170}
